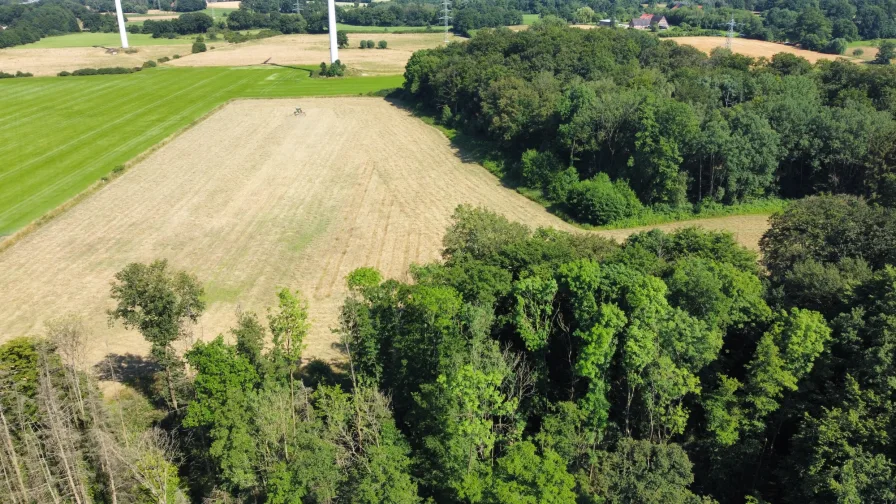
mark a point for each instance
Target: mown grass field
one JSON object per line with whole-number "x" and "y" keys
{"x": 528, "y": 19}
{"x": 60, "y": 135}
{"x": 88, "y": 39}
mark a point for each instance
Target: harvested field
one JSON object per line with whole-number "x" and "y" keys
{"x": 747, "y": 229}
{"x": 52, "y": 61}
{"x": 754, "y": 48}
{"x": 313, "y": 49}
{"x": 224, "y": 5}
{"x": 279, "y": 202}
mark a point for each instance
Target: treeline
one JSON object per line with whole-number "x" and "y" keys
{"x": 185, "y": 24}
{"x": 279, "y": 16}
{"x": 27, "y": 23}
{"x": 603, "y": 122}
{"x": 391, "y": 13}
{"x": 523, "y": 367}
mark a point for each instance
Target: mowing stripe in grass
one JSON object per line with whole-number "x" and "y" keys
{"x": 60, "y": 135}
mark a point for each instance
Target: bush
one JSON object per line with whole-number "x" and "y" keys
{"x": 199, "y": 47}
{"x": 342, "y": 39}
{"x": 370, "y": 44}
{"x": 135, "y": 29}
{"x": 836, "y": 46}
{"x": 149, "y": 64}
{"x": 164, "y": 59}
{"x": 84, "y": 71}
{"x": 4, "y": 75}
{"x": 176, "y": 56}
{"x": 63, "y": 74}
{"x": 118, "y": 169}
{"x": 363, "y": 44}
{"x": 857, "y": 52}
{"x": 382, "y": 44}
{"x": 561, "y": 183}
{"x": 337, "y": 69}
{"x": 600, "y": 201}
{"x": 537, "y": 168}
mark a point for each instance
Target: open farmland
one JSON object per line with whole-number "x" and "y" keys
{"x": 312, "y": 49}
{"x": 253, "y": 199}
{"x": 47, "y": 62}
{"x": 60, "y": 135}
{"x": 754, "y": 48}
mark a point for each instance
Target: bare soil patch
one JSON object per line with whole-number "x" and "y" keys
{"x": 313, "y": 49}
{"x": 44, "y": 62}
{"x": 754, "y": 48}
{"x": 280, "y": 201}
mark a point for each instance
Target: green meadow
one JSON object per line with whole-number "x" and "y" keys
{"x": 88, "y": 39}
{"x": 386, "y": 29}
{"x": 60, "y": 135}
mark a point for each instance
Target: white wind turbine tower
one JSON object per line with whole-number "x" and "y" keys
{"x": 334, "y": 47}
{"x": 121, "y": 30}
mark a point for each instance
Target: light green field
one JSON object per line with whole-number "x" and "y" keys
{"x": 529, "y": 18}
{"x": 217, "y": 13}
{"x": 88, "y": 39}
{"x": 60, "y": 135}
{"x": 385, "y": 29}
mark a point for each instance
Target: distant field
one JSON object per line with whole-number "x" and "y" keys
{"x": 529, "y": 18}
{"x": 754, "y": 48}
{"x": 60, "y": 135}
{"x": 384, "y": 29}
{"x": 87, "y": 39}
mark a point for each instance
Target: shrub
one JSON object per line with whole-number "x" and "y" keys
{"x": 131, "y": 50}
{"x": 536, "y": 168}
{"x": 198, "y": 47}
{"x": 342, "y": 39}
{"x": 600, "y": 201}
{"x": 24, "y": 74}
{"x": 4, "y": 75}
{"x": 63, "y": 74}
{"x": 176, "y": 56}
{"x": 363, "y": 44}
{"x": 370, "y": 44}
{"x": 857, "y": 52}
{"x": 836, "y": 46}
{"x": 382, "y": 44}
{"x": 149, "y": 64}
{"x": 135, "y": 29}
{"x": 164, "y": 59}
{"x": 84, "y": 71}
{"x": 118, "y": 169}
{"x": 560, "y": 183}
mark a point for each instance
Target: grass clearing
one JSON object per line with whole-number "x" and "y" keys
{"x": 60, "y": 135}
{"x": 528, "y": 19}
{"x": 89, "y": 39}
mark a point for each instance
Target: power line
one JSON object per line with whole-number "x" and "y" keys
{"x": 729, "y": 41}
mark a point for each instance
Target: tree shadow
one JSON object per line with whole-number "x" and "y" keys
{"x": 133, "y": 370}
{"x": 319, "y": 372}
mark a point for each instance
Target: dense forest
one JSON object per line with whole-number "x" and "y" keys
{"x": 603, "y": 123}
{"x": 31, "y": 22}
{"x": 540, "y": 367}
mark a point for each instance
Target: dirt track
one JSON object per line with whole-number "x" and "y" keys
{"x": 280, "y": 201}
{"x": 313, "y": 49}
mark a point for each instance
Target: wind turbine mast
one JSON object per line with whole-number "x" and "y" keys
{"x": 121, "y": 30}
{"x": 334, "y": 47}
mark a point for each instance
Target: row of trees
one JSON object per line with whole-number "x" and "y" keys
{"x": 523, "y": 367}
{"x": 390, "y": 14}
{"x": 678, "y": 128}
{"x": 185, "y": 24}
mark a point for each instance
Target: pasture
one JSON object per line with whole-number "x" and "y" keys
{"x": 88, "y": 39}
{"x": 386, "y": 29}
{"x": 60, "y": 135}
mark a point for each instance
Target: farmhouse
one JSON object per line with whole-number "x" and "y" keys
{"x": 646, "y": 20}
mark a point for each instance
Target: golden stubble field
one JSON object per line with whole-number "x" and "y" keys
{"x": 754, "y": 48}
{"x": 251, "y": 200}
{"x": 254, "y": 199}
{"x": 50, "y": 61}
{"x": 314, "y": 49}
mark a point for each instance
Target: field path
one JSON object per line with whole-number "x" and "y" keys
{"x": 253, "y": 199}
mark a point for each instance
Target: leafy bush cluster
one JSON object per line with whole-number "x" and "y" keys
{"x": 100, "y": 71}
{"x": 19, "y": 73}
{"x": 336, "y": 69}
{"x": 679, "y": 127}
{"x": 369, "y": 44}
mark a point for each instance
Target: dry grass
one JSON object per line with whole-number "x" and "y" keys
{"x": 754, "y": 48}
{"x": 747, "y": 229}
{"x": 313, "y": 49}
{"x": 52, "y": 61}
{"x": 277, "y": 202}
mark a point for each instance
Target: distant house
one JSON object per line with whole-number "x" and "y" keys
{"x": 644, "y": 22}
